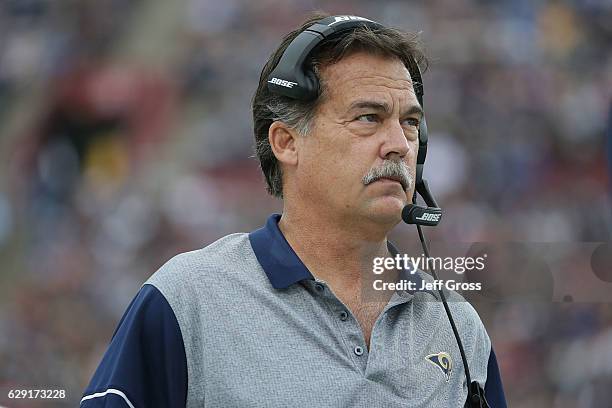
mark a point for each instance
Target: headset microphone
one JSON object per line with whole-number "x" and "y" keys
{"x": 293, "y": 78}
{"x": 416, "y": 214}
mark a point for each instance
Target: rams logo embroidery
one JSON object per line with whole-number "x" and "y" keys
{"x": 443, "y": 361}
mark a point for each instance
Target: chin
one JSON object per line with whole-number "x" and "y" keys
{"x": 386, "y": 210}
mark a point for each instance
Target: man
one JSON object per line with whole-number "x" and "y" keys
{"x": 277, "y": 317}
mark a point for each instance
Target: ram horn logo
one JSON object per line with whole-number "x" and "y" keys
{"x": 443, "y": 361}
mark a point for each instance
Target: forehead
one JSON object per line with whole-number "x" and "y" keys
{"x": 362, "y": 74}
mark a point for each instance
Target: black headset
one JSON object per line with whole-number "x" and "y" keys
{"x": 293, "y": 77}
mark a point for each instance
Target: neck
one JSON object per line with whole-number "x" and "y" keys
{"x": 337, "y": 251}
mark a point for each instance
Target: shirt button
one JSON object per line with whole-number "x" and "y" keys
{"x": 358, "y": 350}
{"x": 343, "y": 315}
{"x": 319, "y": 287}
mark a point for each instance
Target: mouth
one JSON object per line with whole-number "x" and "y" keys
{"x": 392, "y": 180}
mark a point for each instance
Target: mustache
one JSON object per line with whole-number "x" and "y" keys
{"x": 396, "y": 170}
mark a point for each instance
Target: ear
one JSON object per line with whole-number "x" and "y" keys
{"x": 283, "y": 141}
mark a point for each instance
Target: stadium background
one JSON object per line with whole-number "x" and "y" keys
{"x": 125, "y": 138}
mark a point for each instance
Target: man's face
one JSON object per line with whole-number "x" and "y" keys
{"x": 370, "y": 115}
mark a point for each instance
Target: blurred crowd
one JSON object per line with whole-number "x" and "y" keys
{"x": 126, "y": 138}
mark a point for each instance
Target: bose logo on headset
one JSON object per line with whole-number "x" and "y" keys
{"x": 339, "y": 19}
{"x": 429, "y": 217}
{"x": 282, "y": 82}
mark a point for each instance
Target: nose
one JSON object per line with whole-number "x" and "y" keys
{"x": 395, "y": 145}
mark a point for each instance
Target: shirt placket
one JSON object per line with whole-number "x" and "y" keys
{"x": 348, "y": 326}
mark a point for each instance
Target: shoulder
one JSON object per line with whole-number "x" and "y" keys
{"x": 218, "y": 261}
{"x": 220, "y": 253}
{"x": 131, "y": 372}
{"x": 199, "y": 282}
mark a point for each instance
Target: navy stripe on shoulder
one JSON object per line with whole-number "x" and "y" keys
{"x": 145, "y": 364}
{"x": 494, "y": 390}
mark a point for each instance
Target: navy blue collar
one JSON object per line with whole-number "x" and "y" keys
{"x": 281, "y": 263}
{"x": 277, "y": 258}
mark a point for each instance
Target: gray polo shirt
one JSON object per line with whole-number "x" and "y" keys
{"x": 243, "y": 323}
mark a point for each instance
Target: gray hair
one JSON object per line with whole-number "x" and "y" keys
{"x": 392, "y": 169}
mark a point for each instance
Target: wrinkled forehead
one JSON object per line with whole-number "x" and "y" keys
{"x": 363, "y": 75}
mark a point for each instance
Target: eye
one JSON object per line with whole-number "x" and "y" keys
{"x": 410, "y": 122}
{"x": 368, "y": 118}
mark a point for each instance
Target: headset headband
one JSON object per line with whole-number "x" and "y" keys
{"x": 292, "y": 79}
